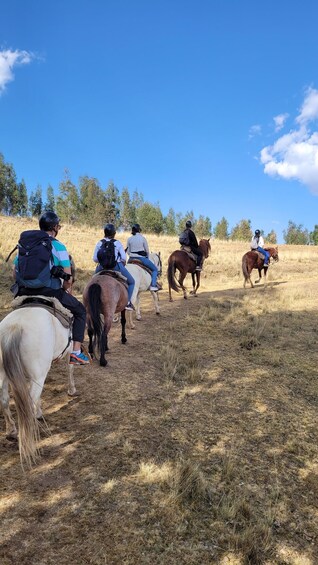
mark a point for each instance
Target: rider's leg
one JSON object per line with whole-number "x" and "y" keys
{"x": 130, "y": 279}
{"x": 145, "y": 261}
{"x": 266, "y": 255}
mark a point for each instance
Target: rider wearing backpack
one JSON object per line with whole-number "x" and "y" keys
{"x": 55, "y": 284}
{"x": 110, "y": 254}
{"x": 193, "y": 244}
{"x": 137, "y": 248}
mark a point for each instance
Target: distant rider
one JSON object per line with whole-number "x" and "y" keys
{"x": 257, "y": 244}
{"x": 120, "y": 256}
{"x": 137, "y": 248}
{"x": 193, "y": 244}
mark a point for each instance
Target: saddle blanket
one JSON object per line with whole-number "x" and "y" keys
{"x": 189, "y": 252}
{"x": 49, "y": 303}
{"x": 115, "y": 274}
{"x": 139, "y": 264}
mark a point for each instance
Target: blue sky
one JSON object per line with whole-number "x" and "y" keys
{"x": 210, "y": 105}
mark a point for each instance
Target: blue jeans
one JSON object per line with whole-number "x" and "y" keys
{"x": 145, "y": 261}
{"x": 264, "y": 252}
{"x": 122, "y": 269}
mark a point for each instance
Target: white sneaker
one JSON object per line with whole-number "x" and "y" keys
{"x": 154, "y": 288}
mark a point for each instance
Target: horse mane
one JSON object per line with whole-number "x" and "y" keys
{"x": 205, "y": 245}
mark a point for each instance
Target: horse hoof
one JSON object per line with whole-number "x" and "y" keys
{"x": 158, "y": 313}
{"x": 103, "y": 362}
{"x": 185, "y": 297}
{"x": 73, "y": 394}
{"x": 124, "y": 341}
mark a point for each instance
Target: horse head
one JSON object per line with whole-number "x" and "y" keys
{"x": 273, "y": 251}
{"x": 205, "y": 247}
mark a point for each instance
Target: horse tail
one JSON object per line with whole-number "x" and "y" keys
{"x": 95, "y": 310}
{"x": 18, "y": 378}
{"x": 246, "y": 274}
{"x": 171, "y": 275}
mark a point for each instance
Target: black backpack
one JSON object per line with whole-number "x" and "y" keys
{"x": 106, "y": 254}
{"x": 184, "y": 238}
{"x": 33, "y": 268}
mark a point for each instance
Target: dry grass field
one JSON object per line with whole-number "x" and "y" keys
{"x": 197, "y": 444}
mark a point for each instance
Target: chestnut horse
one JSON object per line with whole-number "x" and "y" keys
{"x": 104, "y": 295}
{"x": 252, "y": 260}
{"x": 180, "y": 260}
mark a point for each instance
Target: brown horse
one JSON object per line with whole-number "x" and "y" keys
{"x": 252, "y": 260}
{"x": 180, "y": 260}
{"x": 104, "y": 295}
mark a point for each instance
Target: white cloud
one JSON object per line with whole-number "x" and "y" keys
{"x": 255, "y": 130}
{"x": 309, "y": 110}
{"x": 294, "y": 156}
{"x": 280, "y": 121}
{"x": 8, "y": 60}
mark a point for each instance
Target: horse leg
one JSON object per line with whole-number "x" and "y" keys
{"x": 155, "y": 298}
{"x": 259, "y": 276}
{"x": 180, "y": 281}
{"x": 193, "y": 284}
{"x": 90, "y": 342}
{"x": 123, "y": 324}
{"x": 137, "y": 306}
{"x": 37, "y": 382}
{"x": 71, "y": 382}
{"x": 11, "y": 430}
{"x": 195, "y": 287}
{"x": 103, "y": 347}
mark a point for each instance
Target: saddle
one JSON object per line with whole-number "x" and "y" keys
{"x": 140, "y": 264}
{"x": 188, "y": 251}
{"x": 51, "y": 304}
{"x": 259, "y": 254}
{"x": 115, "y": 274}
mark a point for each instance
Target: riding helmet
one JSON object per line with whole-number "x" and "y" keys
{"x": 136, "y": 228}
{"x": 48, "y": 221}
{"x": 109, "y": 230}
{"x": 188, "y": 224}
{"x": 257, "y": 233}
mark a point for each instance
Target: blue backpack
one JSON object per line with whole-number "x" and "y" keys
{"x": 33, "y": 269}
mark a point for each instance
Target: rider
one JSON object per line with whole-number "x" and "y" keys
{"x": 257, "y": 244}
{"x": 50, "y": 223}
{"x": 137, "y": 248}
{"x": 120, "y": 255}
{"x": 193, "y": 243}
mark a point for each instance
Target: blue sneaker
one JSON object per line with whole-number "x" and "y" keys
{"x": 78, "y": 359}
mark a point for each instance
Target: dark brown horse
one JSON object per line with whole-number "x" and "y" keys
{"x": 180, "y": 260}
{"x": 252, "y": 260}
{"x": 104, "y": 295}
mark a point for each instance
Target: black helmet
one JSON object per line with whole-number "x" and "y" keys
{"x": 257, "y": 232}
{"x": 48, "y": 221}
{"x": 109, "y": 230}
{"x": 188, "y": 224}
{"x": 136, "y": 228}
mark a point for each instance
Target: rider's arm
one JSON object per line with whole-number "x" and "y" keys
{"x": 121, "y": 255}
{"x": 97, "y": 247}
{"x": 146, "y": 247}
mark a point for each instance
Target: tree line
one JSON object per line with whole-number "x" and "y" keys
{"x": 90, "y": 204}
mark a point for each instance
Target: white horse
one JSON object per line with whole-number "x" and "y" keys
{"x": 142, "y": 283}
{"x": 30, "y": 339}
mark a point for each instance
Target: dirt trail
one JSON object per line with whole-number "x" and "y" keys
{"x": 99, "y": 493}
